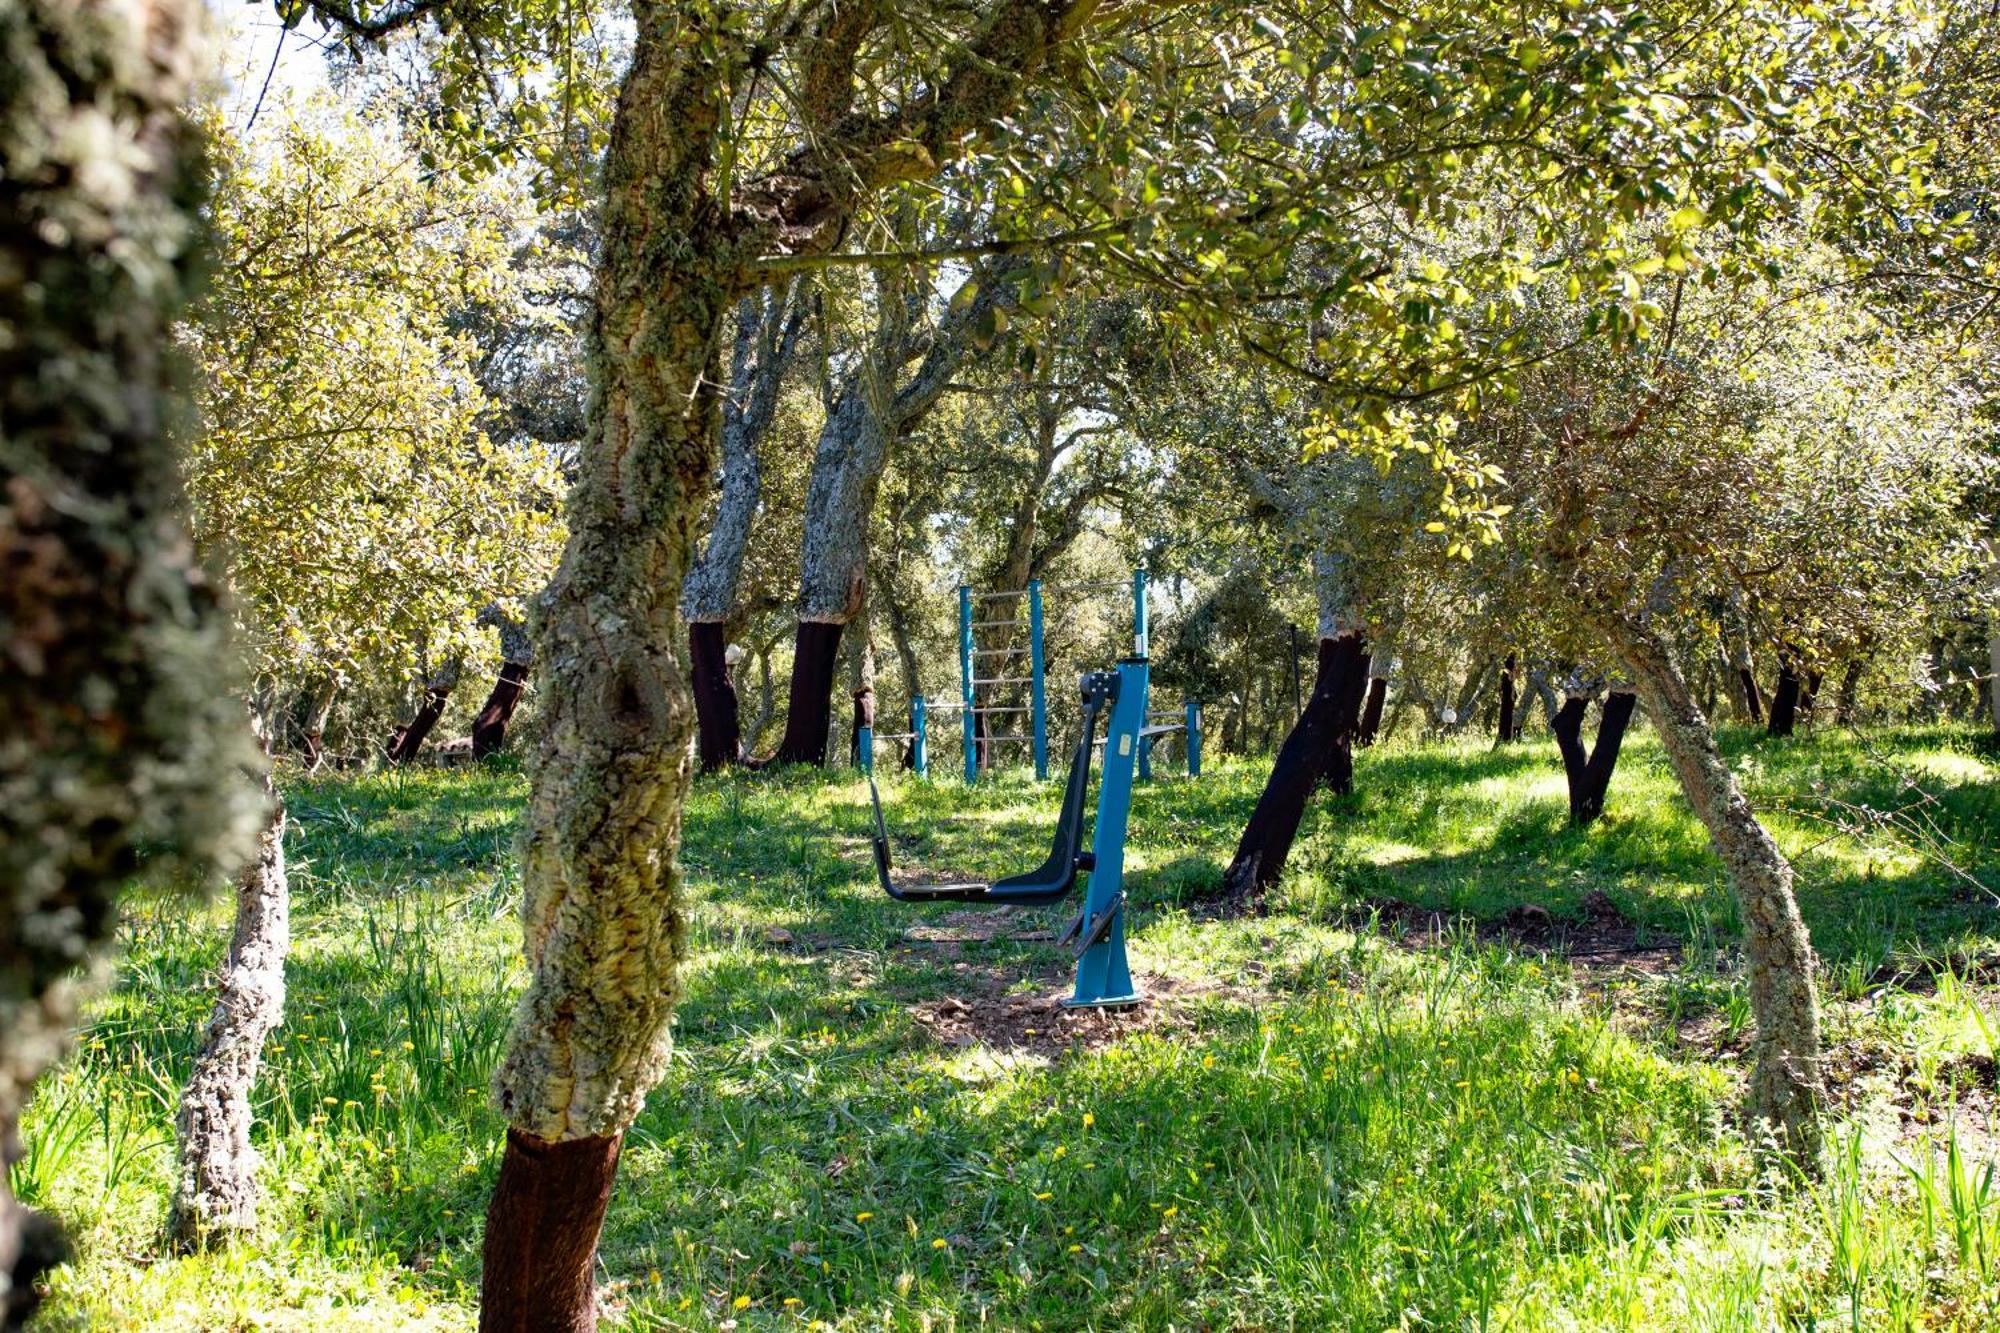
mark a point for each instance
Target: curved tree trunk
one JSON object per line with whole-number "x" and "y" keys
{"x": 489, "y": 728}
{"x": 1317, "y": 747}
{"x": 602, "y": 925}
{"x": 517, "y": 656}
{"x": 1787, "y": 1085}
{"x": 215, "y": 1185}
{"x": 121, "y": 730}
{"x": 601, "y": 911}
{"x": 408, "y": 740}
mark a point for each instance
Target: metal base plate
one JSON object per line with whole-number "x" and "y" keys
{"x": 1108, "y": 1002}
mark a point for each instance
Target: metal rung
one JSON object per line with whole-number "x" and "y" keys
{"x": 997, "y": 624}
{"x": 895, "y": 735}
{"x": 1160, "y": 731}
{"x": 1004, "y": 710}
{"x": 1006, "y": 680}
{"x": 996, "y": 596}
{"x": 995, "y": 740}
{"x": 997, "y": 652}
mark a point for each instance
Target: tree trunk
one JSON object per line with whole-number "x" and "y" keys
{"x": 765, "y": 341}
{"x": 489, "y": 728}
{"x": 122, "y": 727}
{"x": 815, "y": 662}
{"x": 408, "y": 741}
{"x": 767, "y": 699}
{"x": 1508, "y": 730}
{"x": 1371, "y": 713}
{"x": 1302, "y": 761}
{"x": 541, "y": 1234}
{"x": 1847, "y": 699}
{"x": 1785, "y": 699}
{"x": 1317, "y": 741}
{"x": 1993, "y": 666}
{"x": 1589, "y": 774}
{"x": 718, "y": 730}
{"x": 1787, "y": 1086}
{"x": 319, "y": 707}
{"x": 215, "y": 1186}
{"x": 601, "y": 912}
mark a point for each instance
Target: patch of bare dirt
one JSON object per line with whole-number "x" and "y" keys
{"x": 1036, "y": 1023}
{"x": 977, "y": 925}
{"x": 1603, "y": 938}
{"x": 1962, "y": 1092}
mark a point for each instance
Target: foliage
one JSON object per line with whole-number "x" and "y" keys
{"x": 341, "y": 474}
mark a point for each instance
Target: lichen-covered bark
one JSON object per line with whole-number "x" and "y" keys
{"x": 767, "y": 335}
{"x": 121, "y": 729}
{"x": 840, "y": 493}
{"x": 1787, "y": 1085}
{"x": 215, "y": 1184}
{"x": 601, "y": 912}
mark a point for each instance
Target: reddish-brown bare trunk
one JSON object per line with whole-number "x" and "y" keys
{"x": 718, "y": 719}
{"x": 1371, "y": 712}
{"x": 815, "y": 656}
{"x": 407, "y": 740}
{"x": 1322, "y": 731}
{"x": 1753, "y": 702}
{"x": 541, "y": 1235}
{"x": 489, "y": 729}
{"x": 1785, "y": 700}
{"x": 1510, "y": 727}
{"x": 864, "y": 716}
{"x": 1589, "y": 774}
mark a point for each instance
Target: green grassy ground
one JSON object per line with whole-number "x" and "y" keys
{"x": 1321, "y": 1122}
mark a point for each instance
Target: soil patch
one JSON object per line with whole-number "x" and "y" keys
{"x": 1601, "y": 938}
{"x": 1036, "y": 1023}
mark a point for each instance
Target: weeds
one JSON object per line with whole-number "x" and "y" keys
{"x": 1334, "y": 1132}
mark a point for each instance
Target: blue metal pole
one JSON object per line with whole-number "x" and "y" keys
{"x": 920, "y": 741}
{"x": 1103, "y": 976}
{"x": 965, "y": 681}
{"x": 864, "y": 744}
{"x": 1140, "y": 636}
{"x": 1193, "y": 726}
{"x": 1037, "y": 685}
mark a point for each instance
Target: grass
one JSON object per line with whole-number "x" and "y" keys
{"x": 1336, "y": 1130}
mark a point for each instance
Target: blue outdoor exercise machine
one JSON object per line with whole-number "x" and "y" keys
{"x": 1103, "y": 978}
{"x": 988, "y": 666}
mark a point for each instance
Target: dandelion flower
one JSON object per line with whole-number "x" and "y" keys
{"x": 940, "y": 1243}
{"x": 1043, "y": 1197}
{"x": 741, "y": 1302}
{"x": 1088, "y": 1120}
{"x": 863, "y": 1217}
